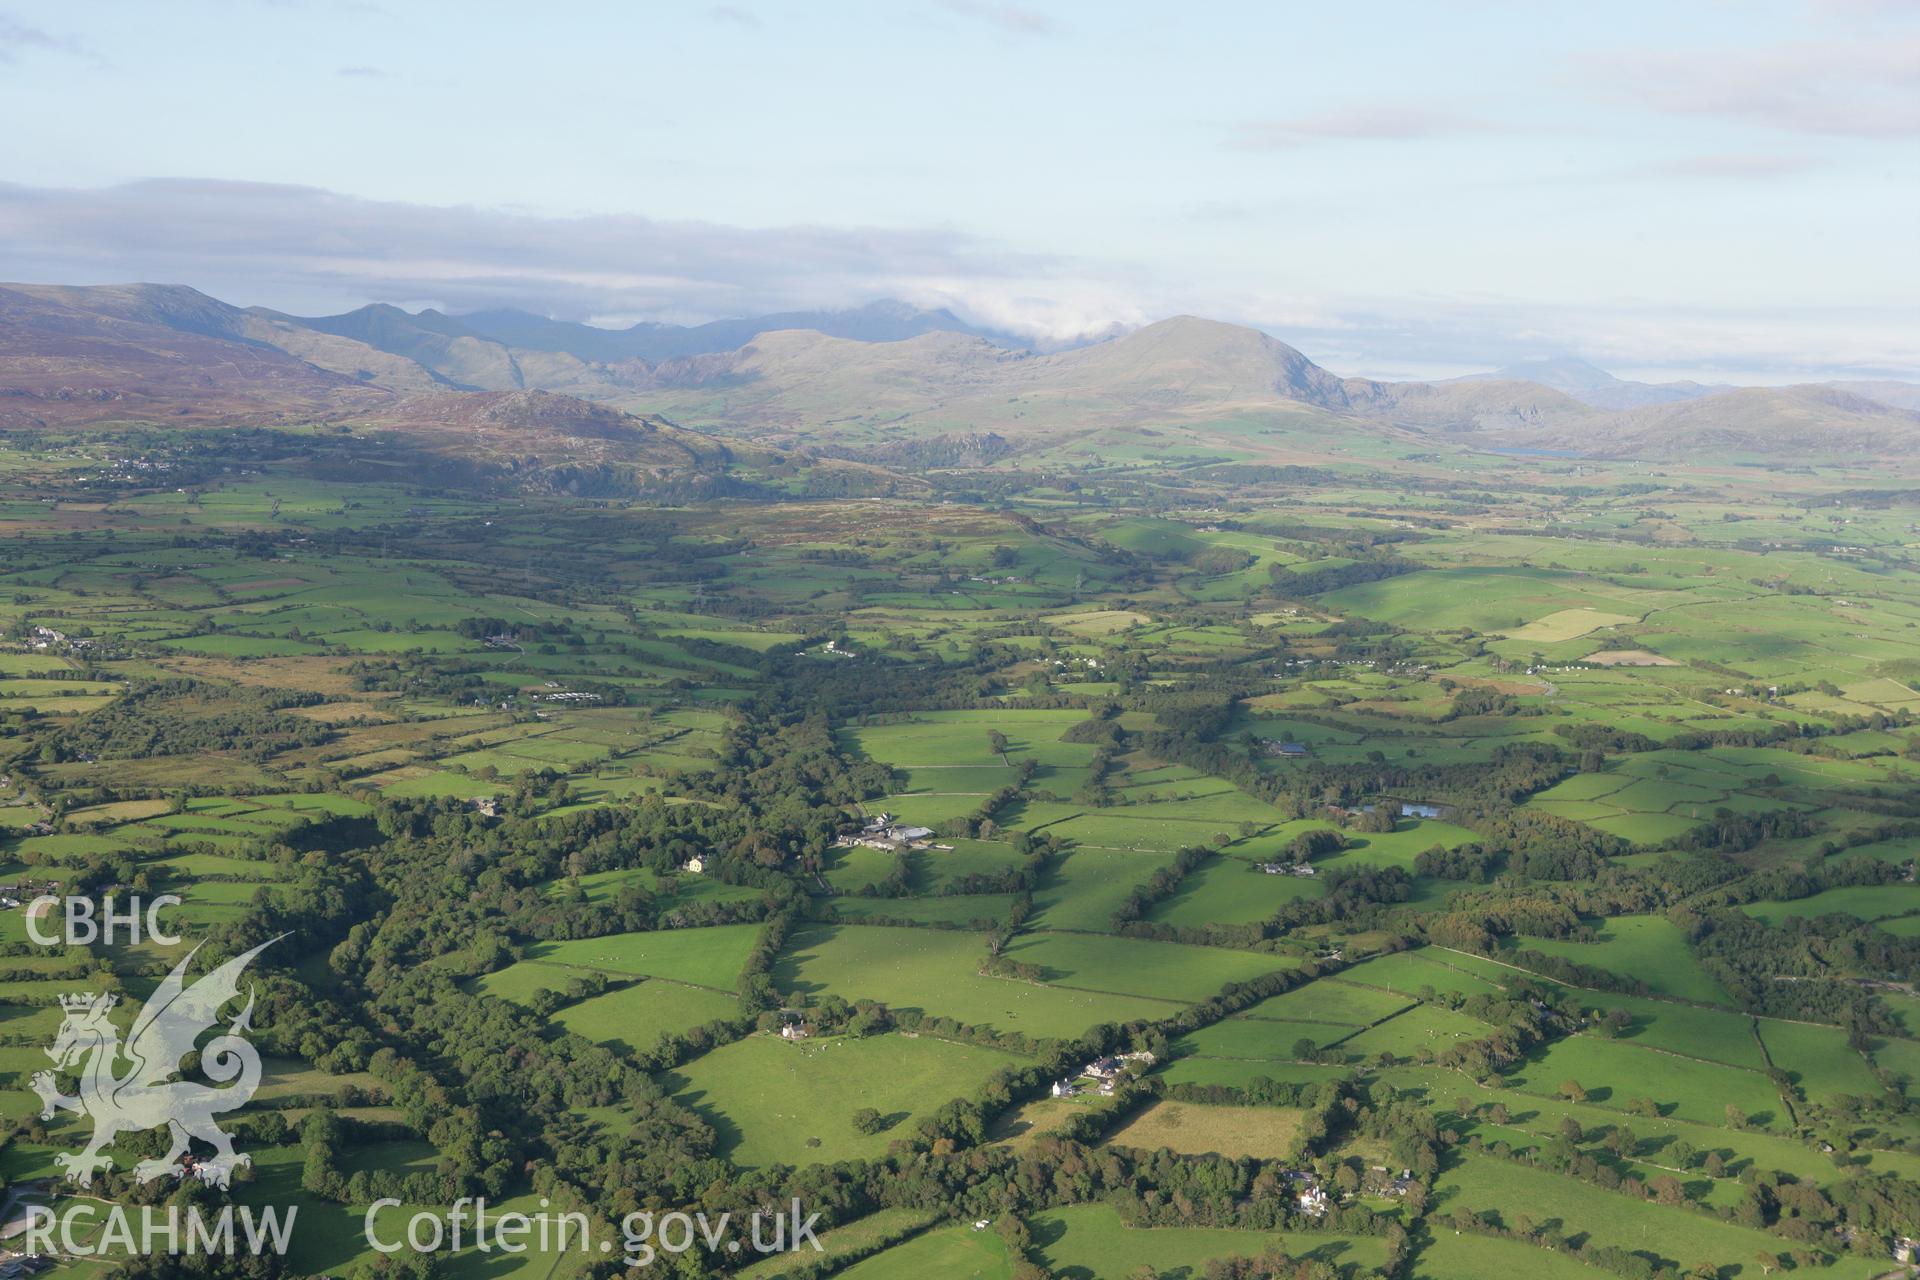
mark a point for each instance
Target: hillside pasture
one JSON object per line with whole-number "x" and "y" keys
{"x": 778, "y": 1102}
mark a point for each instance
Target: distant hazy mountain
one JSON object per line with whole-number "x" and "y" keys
{"x": 456, "y": 356}
{"x": 824, "y": 389}
{"x": 885, "y": 321}
{"x": 1895, "y": 395}
{"x": 869, "y": 379}
{"x": 1802, "y": 422}
{"x": 1592, "y": 385}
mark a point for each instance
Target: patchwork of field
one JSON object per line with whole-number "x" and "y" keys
{"x": 1675, "y": 1236}
{"x": 464, "y": 737}
{"x": 1657, "y": 796}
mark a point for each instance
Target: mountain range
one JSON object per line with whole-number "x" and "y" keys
{"x": 872, "y": 377}
{"x": 1594, "y": 386}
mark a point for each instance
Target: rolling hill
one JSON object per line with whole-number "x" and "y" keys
{"x": 1804, "y": 422}
{"x": 876, "y": 378}
{"x": 141, "y": 353}
{"x": 1592, "y": 385}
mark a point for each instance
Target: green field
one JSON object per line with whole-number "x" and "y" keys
{"x": 1602, "y": 766}
{"x": 1090, "y": 1241}
{"x": 708, "y": 958}
{"x": 1674, "y": 1235}
{"x": 1644, "y": 947}
{"x": 774, "y": 1102}
{"x": 937, "y": 972}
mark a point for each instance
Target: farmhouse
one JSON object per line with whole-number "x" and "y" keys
{"x": 1287, "y": 868}
{"x": 1275, "y": 747}
{"x": 696, "y": 864}
{"x": 1110, "y": 1067}
{"x": 879, "y": 832}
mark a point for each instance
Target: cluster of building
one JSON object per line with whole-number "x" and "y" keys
{"x": 13, "y": 896}
{"x": 1313, "y": 1199}
{"x": 1308, "y": 1195}
{"x": 1275, "y": 747}
{"x": 1102, "y": 1074}
{"x": 882, "y": 832}
{"x": 1288, "y": 868}
{"x": 1773, "y": 693}
{"x": 44, "y": 638}
{"x": 17, "y": 1266}
{"x": 567, "y": 695}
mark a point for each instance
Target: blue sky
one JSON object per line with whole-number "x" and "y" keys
{"x": 1696, "y": 187}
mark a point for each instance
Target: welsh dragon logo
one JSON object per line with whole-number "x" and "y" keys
{"x": 143, "y": 1097}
